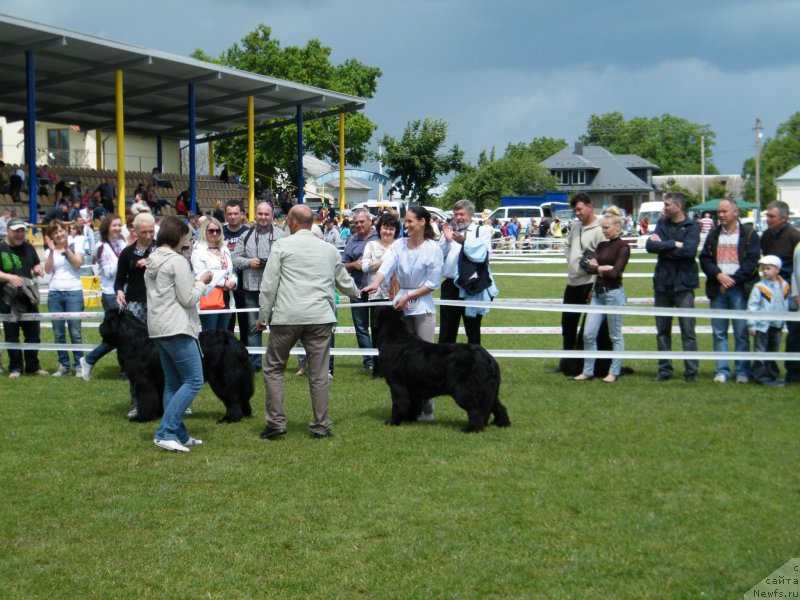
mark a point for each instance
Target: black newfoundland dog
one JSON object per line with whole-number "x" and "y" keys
{"x": 416, "y": 370}
{"x": 226, "y": 366}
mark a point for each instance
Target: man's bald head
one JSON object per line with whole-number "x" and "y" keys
{"x": 300, "y": 217}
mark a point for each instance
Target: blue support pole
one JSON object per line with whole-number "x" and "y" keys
{"x": 159, "y": 154}
{"x": 299, "y": 153}
{"x": 30, "y": 138}
{"x": 192, "y": 168}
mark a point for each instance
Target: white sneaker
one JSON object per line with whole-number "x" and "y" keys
{"x": 742, "y": 379}
{"x": 720, "y": 378}
{"x": 193, "y": 442}
{"x": 85, "y": 369}
{"x": 188, "y": 411}
{"x": 62, "y": 370}
{"x": 133, "y": 413}
{"x": 425, "y": 418}
{"x": 14, "y": 375}
{"x": 170, "y": 445}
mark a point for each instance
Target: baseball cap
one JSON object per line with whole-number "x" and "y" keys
{"x": 16, "y": 223}
{"x": 771, "y": 259}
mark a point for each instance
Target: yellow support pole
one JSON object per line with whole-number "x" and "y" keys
{"x": 120, "y": 148}
{"x": 341, "y": 163}
{"x": 98, "y": 148}
{"x": 211, "y": 159}
{"x": 251, "y": 156}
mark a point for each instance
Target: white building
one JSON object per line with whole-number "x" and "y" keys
{"x": 788, "y": 186}
{"x": 68, "y": 145}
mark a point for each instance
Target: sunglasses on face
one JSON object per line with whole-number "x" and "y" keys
{"x": 213, "y": 230}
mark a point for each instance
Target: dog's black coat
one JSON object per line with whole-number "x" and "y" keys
{"x": 416, "y": 370}
{"x": 226, "y": 366}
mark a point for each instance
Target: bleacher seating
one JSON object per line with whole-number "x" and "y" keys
{"x": 209, "y": 189}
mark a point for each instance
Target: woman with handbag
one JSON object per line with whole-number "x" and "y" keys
{"x": 212, "y": 254}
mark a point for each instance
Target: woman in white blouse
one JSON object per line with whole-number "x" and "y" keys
{"x": 416, "y": 261}
{"x": 63, "y": 263}
{"x": 211, "y": 254}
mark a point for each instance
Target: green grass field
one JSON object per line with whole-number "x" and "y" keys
{"x": 635, "y": 490}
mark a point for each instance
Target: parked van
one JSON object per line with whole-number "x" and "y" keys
{"x": 524, "y": 214}
{"x": 376, "y": 207}
{"x": 653, "y": 212}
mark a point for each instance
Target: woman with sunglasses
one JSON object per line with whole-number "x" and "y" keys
{"x": 212, "y": 254}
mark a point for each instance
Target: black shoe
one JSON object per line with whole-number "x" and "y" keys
{"x": 271, "y": 433}
{"x": 322, "y": 436}
{"x": 662, "y": 377}
{"x": 553, "y": 370}
{"x": 691, "y": 378}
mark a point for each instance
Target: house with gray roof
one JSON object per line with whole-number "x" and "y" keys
{"x": 788, "y": 186}
{"x": 623, "y": 180}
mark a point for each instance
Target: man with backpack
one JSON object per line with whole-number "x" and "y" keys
{"x": 452, "y": 242}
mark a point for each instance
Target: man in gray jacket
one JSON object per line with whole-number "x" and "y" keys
{"x": 250, "y": 257}
{"x": 582, "y": 240}
{"x": 297, "y": 303}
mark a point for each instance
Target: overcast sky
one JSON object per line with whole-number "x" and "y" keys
{"x": 504, "y": 71}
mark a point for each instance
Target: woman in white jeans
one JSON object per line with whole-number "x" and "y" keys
{"x": 608, "y": 263}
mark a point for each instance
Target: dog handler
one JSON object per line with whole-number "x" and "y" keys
{"x": 172, "y": 322}
{"x": 416, "y": 260}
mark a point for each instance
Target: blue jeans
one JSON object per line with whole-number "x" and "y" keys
{"x": 732, "y": 299}
{"x": 58, "y": 301}
{"x": 109, "y": 302}
{"x": 248, "y": 332}
{"x": 218, "y": 321}
{"x": 183, "y": 379}
{"x": 595, "y": 320}
{"x": 361, "y": 324}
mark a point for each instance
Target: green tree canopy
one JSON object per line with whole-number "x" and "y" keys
{"x": 517, "y": 173}
{"x": 670, "y": 142}
{"x": 276, "y": 149}
{"x": 416, "y": 160}
{"x": 779, "y": 155}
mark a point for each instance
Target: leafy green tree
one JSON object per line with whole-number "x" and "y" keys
{"x": 517, "y": 173}
{"x": 672, "y": 143}
{"x": 537, "y": 149}
{"x": 276, "y": 149}
{"x": 416, "y": 160}
{"x": 779, "y": 155}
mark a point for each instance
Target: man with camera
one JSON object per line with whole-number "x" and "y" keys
{"x": 584, "y": 235}
{"x": 250, "y": 257}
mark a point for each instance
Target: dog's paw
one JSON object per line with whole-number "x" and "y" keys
{"x": 503, "y": 423}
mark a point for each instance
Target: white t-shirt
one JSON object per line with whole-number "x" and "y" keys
{"x": 65, "y": 278}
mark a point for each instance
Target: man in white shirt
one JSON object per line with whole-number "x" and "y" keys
{"x": 451, "y": 242}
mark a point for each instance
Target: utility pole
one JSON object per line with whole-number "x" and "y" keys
{"x": 758, "y": 162}
{"x": 380, "y": 170}
{"x": 702, "y": 169}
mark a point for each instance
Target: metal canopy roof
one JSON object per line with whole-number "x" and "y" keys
{"x": 75, "y": 85}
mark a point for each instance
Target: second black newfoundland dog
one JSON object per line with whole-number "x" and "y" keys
{"x": 416, "y": 370}
{"x": 226, "y": 366}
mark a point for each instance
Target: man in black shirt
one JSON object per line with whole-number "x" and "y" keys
{"x": 20, "y": 262}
